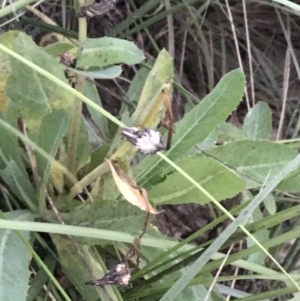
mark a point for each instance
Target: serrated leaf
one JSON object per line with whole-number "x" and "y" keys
{"x": 105, "y": 52}
{"x": 257, "y": 162}
{"x": 77, "y": 269}
{"x": 197, "y": 124}
{"x": 109, "y": 215}
{"x": 14, "y": 272}
{"x": 258, "y": 122}
{"x": 135, "y": 195}
{"x": 211, "y": 175}
{"x": 53, "y": 128}
{"x": 33, "y": 93}
{"x": 107, "y": 73}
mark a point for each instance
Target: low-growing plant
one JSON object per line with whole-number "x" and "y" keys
{"x": 71, "y": 175}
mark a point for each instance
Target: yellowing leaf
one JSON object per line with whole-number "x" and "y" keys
{"x": 57, "y": 176}
{"x": 3, "y": 98}
{"x": 151, "y": 107}
{"x": 134, "y": 194}
{"x": 7, "y": 39}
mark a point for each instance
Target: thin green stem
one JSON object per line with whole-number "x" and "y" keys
{"x": 88, "y": 179}
{"x": 107, "y": 235}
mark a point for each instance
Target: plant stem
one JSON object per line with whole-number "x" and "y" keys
{"x": 88, "y": 179}
{"x": 77, "y": 113}
{"x": 12, "y": 8}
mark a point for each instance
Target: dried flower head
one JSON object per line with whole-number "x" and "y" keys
{"x": 146, "y": 141}
{"x": 120, "y": 275}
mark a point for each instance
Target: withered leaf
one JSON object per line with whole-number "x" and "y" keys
{"x": 134, "y": 194}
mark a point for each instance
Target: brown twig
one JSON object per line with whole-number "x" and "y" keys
{"x": 135, "y": 248}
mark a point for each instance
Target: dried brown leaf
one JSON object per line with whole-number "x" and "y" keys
{"x": 134, "y": 194}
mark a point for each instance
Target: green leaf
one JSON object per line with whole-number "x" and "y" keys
{"x": 6, "y": 39}
{"x": 110, "y": 190}
{"x": 262, "y": 236}
{"x": 14, "y": 272}
{"x": 202, "y": 260}
{"x": 109, "y": 215}
{"x": 40, "y": 279}
{"x": 98, "y": 156}
{"x": 91, "y": 92}
{"x": 19, "y": 184}
{"x": 228, "y": 132}
{"x": 77, "y": 269}
{"x": 83, "y": 155}
{"x": 105, "y": 52}
{"x": 193, "y": 292}
{"x": 207, "y": 143}
{"x": 33, "y": 93}
{"x": 197, "y": 124}
{"x": 107, "y": 73}
{"x": 58, "y": 48}
{"x": 10, "y": 148}
{"x": 109, "y": 236}
{"x": 257, "y": 162}
{"x": 207, "y": 172}
{"x": 53, "y": 128}
{"x": 258, "y": 122}
{"x": 291, "y": 183}
{"x": 151, "y": 108}
{"x": 270, "y": 204}
{"x": 135, "y": 88}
